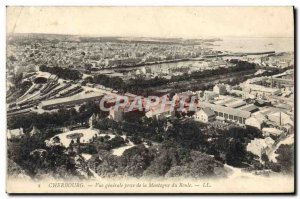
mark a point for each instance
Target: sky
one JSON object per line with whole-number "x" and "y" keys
{"x": 172, "y": 22}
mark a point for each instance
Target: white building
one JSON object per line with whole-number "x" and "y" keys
{"x": 15, "y": 133}
{"x": 260, "y": 146}
{"x": 254, "y": 122}
{"x": 143, "y": 70}
{"x": 280, "y": 118}
{"x": 271, "y": 131}
{"x": 205, "y": 115}
{"x": 160, "y": 112}
{"x": 261, "y": 92}
{"x": 209, "y": 95}
{"x": 116, "y": 115}
{"x": 227, "y": 113}
{"x": 220, "y": 89}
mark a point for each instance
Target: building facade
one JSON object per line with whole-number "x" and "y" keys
{"x": 205, "y": 115}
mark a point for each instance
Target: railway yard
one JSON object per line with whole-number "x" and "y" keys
{"x": 52, "y": 90}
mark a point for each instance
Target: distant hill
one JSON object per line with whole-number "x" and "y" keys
{"x": 78, "y": 38}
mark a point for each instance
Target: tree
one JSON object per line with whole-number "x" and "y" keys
{"x": 265, "y": 158}
{"x": 117, "y": 141}
{"x": 235, "y": 153}
{"x": 64, "y": 73}
{"x": 285, "y": 158}
{"x": 186, "y": 134}
{"x": 136, "y": 139}
{"x": 135, "y": 160}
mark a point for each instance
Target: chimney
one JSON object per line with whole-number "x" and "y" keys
{"x": 280, "y": 118}
{"x": 271, "y": 81}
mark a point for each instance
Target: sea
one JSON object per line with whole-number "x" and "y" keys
{"x": 254, "y": 44}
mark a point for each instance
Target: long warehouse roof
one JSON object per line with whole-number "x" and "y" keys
{"x": 74, "y": 98}
{"x": 228, "y": 110}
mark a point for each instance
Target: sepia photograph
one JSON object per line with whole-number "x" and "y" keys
{"x": 156, "y": 100}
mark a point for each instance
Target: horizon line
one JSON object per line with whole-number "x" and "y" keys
{"x": 120, "y": 36}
